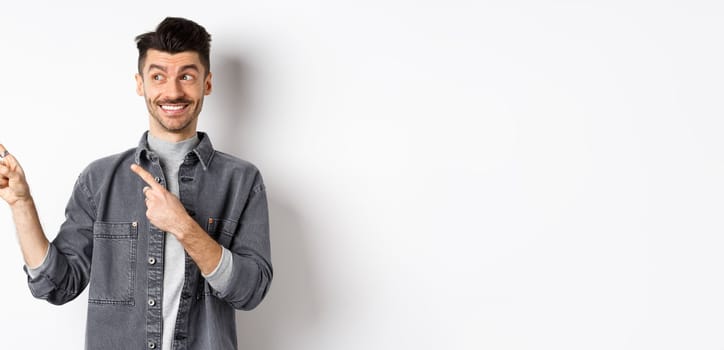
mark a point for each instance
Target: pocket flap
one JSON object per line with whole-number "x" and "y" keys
{"x": 115, "y": 230}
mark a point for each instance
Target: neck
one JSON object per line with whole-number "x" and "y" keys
{"x": 171, "y": 136}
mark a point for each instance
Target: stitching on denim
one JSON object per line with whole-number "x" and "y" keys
{"x": 111, "y": 302}
{"x": 132, "y": 238}
{"x": 88, "y": 194}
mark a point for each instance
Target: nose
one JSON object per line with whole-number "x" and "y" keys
{"x": 174, "y": 89}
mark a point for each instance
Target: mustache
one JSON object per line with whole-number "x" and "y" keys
{"x": 174, "y": 102}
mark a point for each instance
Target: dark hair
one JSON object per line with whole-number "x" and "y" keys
{"x": 175, "y": 35}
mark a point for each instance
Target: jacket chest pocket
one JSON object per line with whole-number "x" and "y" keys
{"x": 113, "y": 271}
{"x": 222, "y": 230}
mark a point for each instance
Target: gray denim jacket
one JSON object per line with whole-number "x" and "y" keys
{"x": 107, "y": 241}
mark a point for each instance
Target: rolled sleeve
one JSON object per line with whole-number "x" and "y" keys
{"x": 220, "y": 278}
{"x": 251, "y": 253}
{"x": 65, "y": 270}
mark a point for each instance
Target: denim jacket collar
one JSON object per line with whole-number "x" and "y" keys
{"x": 204, "y": 151}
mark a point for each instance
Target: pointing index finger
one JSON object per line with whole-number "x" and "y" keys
{"x": 145, "y": 176}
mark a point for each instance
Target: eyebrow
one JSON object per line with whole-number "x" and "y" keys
{"x": 155, "y": 66}
{"x": 190, "y": 66}
{"x": 163, "y": 69}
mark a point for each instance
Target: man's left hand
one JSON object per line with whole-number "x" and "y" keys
{"x": 164, "y": 210}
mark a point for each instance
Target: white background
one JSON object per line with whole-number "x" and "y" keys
{"x": 441, "y": 174}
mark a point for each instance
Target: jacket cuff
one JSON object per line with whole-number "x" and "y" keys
{"x": 41, "y": 281}
{"x": 220, "y": 278}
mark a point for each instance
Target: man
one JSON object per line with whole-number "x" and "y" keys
{"x": 172, "y": 235}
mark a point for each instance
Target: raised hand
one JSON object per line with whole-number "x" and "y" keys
{"x": 13, "y": 186}
{"x": 164, "y": 210}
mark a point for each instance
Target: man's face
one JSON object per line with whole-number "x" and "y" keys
{"x": 174, "y": 86}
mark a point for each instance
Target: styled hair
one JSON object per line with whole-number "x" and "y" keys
{"x": 175, "y": 35}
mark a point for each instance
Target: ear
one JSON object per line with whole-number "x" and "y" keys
{"x": 207, "y": 85}
{"x": 139, "y": 84}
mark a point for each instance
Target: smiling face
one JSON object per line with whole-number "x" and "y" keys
{"x": 174, "y": 86}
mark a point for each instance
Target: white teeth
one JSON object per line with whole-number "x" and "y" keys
{"x": 172, "y": 108}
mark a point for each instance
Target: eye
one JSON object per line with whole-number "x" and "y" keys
{"x": 157, "y": 77}
{"x": 187, "y": 77}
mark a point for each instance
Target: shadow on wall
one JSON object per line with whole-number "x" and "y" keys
{"x": 292, "y": 304}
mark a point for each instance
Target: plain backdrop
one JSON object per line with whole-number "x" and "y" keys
{"x": 441, "y": 174}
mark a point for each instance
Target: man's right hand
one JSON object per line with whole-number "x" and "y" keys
{"x": 14, "y": 189}
{"x": 13, "y": 186}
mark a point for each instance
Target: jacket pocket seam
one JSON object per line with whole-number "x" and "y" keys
{"x": 109, "y": 232}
